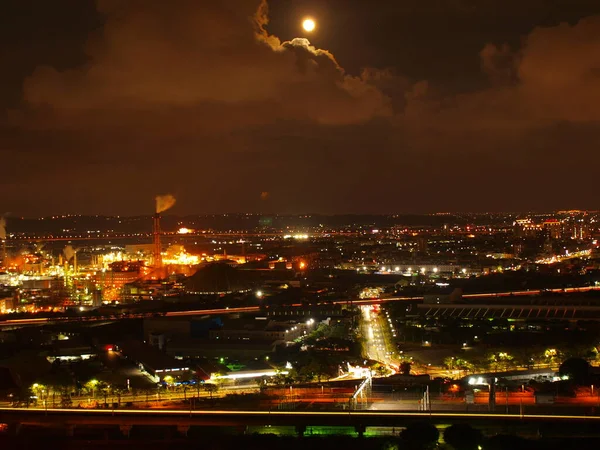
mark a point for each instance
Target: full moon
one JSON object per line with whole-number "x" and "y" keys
{"x": 309, "y": 25}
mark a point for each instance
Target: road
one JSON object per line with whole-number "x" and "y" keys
{"x": 153, "y": 399}
{"x": 21, "y": 420}
{"x": 366, "y": 416}
{"x": 490, "y": 295}
{"x": 378, "y": 346}
{"x": 167, "y": 235}
{"x": 84, "y": 318}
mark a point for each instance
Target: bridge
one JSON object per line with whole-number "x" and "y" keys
{"x": 125, "y": 419}
{"x": 483, "y": 311}
{"x": 430, "y": 309}
{"x": 175, "y": 235}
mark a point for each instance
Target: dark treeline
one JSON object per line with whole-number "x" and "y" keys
{"x": 417, "y": 436}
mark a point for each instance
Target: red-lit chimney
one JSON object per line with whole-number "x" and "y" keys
{"x": 156, "y": 241}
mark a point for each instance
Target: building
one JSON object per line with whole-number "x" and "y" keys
{"x": 7, "y": 304}
{"x": 552, "y": 229}
{"x": 121, "y": 273}
{"x": 139, "y": 249}
{"x": 41, "y": 283}
{"x": 219, "y": 279}
{"x": 183, "y": 348}
{"x": 527, "y": 228}
{"x": 425, "y": 269}
{"x": 153, "y": 361}
{"x": 260, "y": 329}
{"x": 67, "y": 351}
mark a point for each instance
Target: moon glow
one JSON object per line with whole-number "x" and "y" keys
{"x": 309, "y": 25}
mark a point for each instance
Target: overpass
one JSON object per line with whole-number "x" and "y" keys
{"x": 85, "y": 318}
{"x": 125, "y": 419}
{"x": 522, "y": 312}
{"x": 167, "y": 235}
{"x": 484, "y": 297}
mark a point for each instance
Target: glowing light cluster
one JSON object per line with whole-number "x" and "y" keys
{"x": 112, "y": 257}
{"x": 296, "y": 236}
{"x": 558, "y": 258}
{"x": 181, "y": 258}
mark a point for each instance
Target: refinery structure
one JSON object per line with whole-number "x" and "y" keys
{"x": 50, "y": 276}
{"x": 86, "y": 262}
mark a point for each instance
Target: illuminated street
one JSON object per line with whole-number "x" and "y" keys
{"x": 378, "y": 346}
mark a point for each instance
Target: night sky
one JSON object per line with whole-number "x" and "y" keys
{"x": 394, "y": 106}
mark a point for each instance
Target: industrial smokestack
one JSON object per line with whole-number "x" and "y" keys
{"x": 156, "y": 241}
{"x": 3, "y": 237}
{"x": 163, "y": 202}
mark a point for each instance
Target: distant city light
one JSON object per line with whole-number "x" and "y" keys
{"x": 296, "y": 236}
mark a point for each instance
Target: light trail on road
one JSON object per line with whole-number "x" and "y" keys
{"x": 250, "y": 309}
{"x": 187, "y": 412}
{"x": 213, "y": 311}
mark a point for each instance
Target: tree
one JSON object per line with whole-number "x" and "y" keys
{"x": 198, "y": 380}
{"x": 463, "y": 437}
{"x": 420, "y": 436}
{"x": 40, "y": 391}
{"x": 315, "y": 368}
{"x": 211, "y": 388}
{"x": 576, "y": 369}
{"x": 58, "y": 381}
{"x": 508, "y": 442}
{"x": 104, "y": 388}
{"x": 91, "y": 386}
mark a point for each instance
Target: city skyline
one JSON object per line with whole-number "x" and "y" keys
{"x": 286, "y": 223}
{"x": 233, "y": 106}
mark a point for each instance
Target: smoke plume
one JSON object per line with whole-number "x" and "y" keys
{"x": 2, "y": 228}
{"x": 164, "y": 202}
{"x": 68, "y": 252}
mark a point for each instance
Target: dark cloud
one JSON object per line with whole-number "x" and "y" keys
{"x": 205, "y": 100}
{"x": 552, "y": 78}
{"x": 152, "y": 56}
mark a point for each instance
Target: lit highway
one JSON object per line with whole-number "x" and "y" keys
{"x": 254, "y": 309}
{"x": 377, "y": 345}
{"x": 491, "y": 295}
{"x": 244, "y": 309}
{"x": 142, "y": 398}
{"x": 273, "y": 414}
{"x": 167, "y": 235}
{"x": 83, "y": 318}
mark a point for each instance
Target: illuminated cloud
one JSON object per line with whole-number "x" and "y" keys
{"x": 153, "y": 58}
{"x": 202, "y": 100}
{"x": 554, "y": 77}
